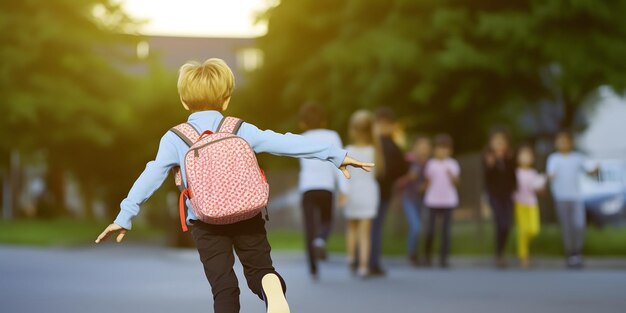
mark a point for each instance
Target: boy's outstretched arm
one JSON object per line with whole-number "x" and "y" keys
{"x": 148, "y": 182}
{"x": 299, "y": 147}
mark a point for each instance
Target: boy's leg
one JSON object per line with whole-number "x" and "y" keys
{"x": 579, "y": 225}
{"x": 563, "y": 210}
{"x": 446, "y": 217}
{"x": 253, "y": 250}
{"x": 325, "y": 203}
{"x": 216, "y": 255}
{"x": 309, "y": 209}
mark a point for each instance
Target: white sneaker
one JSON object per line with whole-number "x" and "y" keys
{"x": 274, "y": 294}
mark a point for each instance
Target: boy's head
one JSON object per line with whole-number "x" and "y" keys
{"x": 312, "y": 116}
{"x": 525, "y": 156}
{"x": 206, "y": 86}
{"x": 563, "y": 142}
{"x": 384, "y": 121}
{"x": 443, "y": 146}
{"x": 421, "y": 147}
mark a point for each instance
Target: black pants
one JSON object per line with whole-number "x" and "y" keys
{"x": 215, "y": 245}
{"x": 317, "y": 208}
{"x": 445, "y": 216}
{"x": 502, "y": 209}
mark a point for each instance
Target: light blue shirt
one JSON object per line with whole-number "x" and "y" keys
{"x": 565, "y": 170}
{"x": 172, "y": 152}
{"x": 320, "y": 175}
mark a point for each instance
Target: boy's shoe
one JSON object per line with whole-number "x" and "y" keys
{"x": 274, "y": 294}
{"x": 319, "y": 247}
{"x": 377, "y": 271}
{"x": 575, "y": 262}
{"x": 414, "y": 260}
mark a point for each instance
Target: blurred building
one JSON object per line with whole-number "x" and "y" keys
{"x": 239, "y": 53}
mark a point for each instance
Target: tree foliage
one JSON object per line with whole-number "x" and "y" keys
{"x": 73, "y": 88}
{"x": 451, "y": 65}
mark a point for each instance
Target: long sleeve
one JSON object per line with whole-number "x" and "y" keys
{"x": 148, "y": 182}
{"x": 342, "y": 181}
{"x": 290, "y": 145}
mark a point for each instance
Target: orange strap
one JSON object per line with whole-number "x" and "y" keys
{"x": 181, "y": 208}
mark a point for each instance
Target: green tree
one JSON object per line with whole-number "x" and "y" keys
{"x": 62, "y": 79}
{"x": 452, "y": 65}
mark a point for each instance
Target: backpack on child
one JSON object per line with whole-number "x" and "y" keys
{"x": 225, "y": 184}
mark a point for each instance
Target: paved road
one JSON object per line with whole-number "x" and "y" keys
{"x": 116, "y": 278}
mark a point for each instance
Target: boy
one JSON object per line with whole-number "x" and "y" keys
{"x": 392, "y": 167}
{"x": 563, "y": 169}
{"x": 205, "y": 90}
{"x": 317, "y": 183}
{"x": 442, "y": 177}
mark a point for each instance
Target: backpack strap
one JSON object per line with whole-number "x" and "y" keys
{"x": 229, "y": 124}
{"x": 189, "y": 135}
{"x": 186, "y": 132}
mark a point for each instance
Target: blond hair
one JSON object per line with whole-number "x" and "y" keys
{"x": 205, "y": 86}
{"x": 361, "y": 126}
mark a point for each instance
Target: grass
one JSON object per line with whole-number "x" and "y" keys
{"x": 57, "y": 232}
{"x": 467, "y": 238}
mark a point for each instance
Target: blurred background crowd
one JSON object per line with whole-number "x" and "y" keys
{"x": 86, "y": 94}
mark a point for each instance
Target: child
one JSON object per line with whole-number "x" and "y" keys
{"x": 205, "y": 90}
{"x": 413, "y": 185}
{"x": 526, "y": 205}
{"x": 564, "y": 167}
{"x": 363, "y": 194}
{"x": 499, "y": 173}
{"x": 442, "y": 176}
{"x": 392, "y": 167}
{"x": 318, "y": 181}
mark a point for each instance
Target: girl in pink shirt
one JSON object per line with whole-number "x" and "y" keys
{"x": 442, "y": 176}
{"x": 526, "y": 207}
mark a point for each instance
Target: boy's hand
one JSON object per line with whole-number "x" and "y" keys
{"x": 110, "y": 230}
{"x": 349, "y": 161}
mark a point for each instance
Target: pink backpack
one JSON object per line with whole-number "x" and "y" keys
{"x": 225, "y": 184}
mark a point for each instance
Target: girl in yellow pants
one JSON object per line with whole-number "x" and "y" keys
{"x": 529, "y": 182}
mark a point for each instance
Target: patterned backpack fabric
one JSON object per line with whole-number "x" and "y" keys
{"x": 225, "y": 184}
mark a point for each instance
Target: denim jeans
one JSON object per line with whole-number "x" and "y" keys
{"x": 412, "y": 210}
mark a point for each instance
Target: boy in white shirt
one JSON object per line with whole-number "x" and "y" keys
{"x": 563, "y": 169}
{"x": 317, "y": 184}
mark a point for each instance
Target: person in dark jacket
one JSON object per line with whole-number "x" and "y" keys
{"x": 394, "y": 166}
{"x": 500, "y": 182}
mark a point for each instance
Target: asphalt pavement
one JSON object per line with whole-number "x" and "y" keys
{"x": 131, "y": 278}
